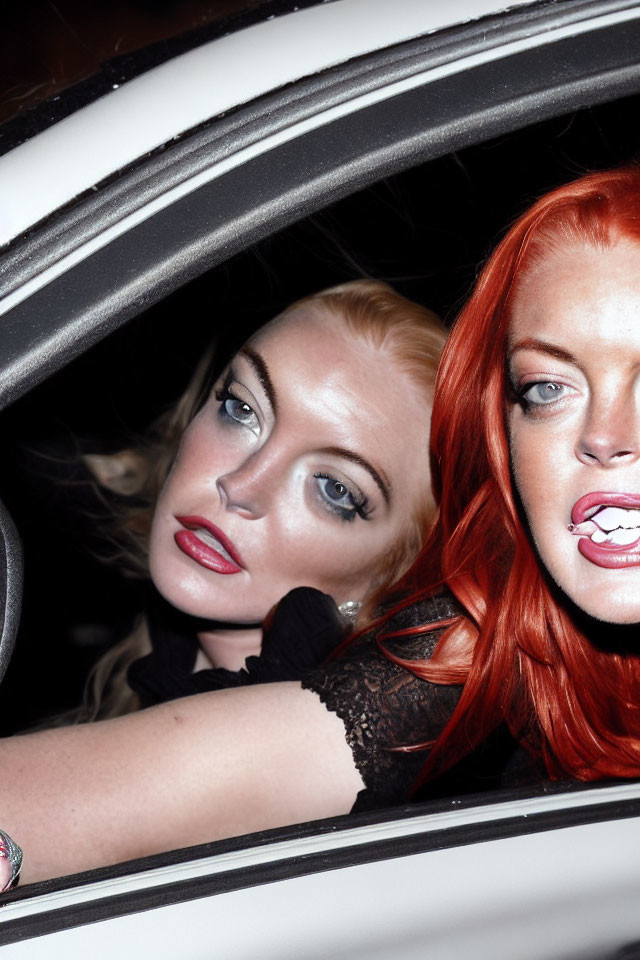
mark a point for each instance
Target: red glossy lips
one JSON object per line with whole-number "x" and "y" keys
{"x": 602, "y": 499}
{"x": 610, "y": 555}
{"x": 208, "y": 546}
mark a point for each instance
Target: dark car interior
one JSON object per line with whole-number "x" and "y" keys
{"x": 424, "y": 230}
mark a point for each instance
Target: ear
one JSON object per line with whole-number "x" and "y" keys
{"x": 122, "y": 472}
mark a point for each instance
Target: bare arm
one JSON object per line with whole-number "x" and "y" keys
{"x": 193, "y": 770}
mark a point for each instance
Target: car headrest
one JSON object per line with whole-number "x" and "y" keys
{"x": 10, "y": 586}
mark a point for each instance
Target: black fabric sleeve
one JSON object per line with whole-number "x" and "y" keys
{"x": 384, "y": 706}
{"x": 304, "y": 629}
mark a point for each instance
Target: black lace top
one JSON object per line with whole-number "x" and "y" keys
{"x": 384, "y": 706}
{"x": 381, "y": 704}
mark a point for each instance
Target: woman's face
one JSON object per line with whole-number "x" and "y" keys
{"x": 574, "y": 360}
{"x": 305, "y": 466}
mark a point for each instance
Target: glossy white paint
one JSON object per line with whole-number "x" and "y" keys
{"x": 490, "y": 896}
{"x": 39, "y": 201}
{"x": 46, "y": 172}
{"x": 566, "y": 892}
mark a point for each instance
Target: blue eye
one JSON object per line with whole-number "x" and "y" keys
{"x": 236, "y": 410}
{"x": 336, "y": 497}
{"x": 543, "y": 393}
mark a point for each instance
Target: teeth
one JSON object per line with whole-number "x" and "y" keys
{"x": 615, "y": 525}
{"x": 624, "y": 536}
{"x": 610, "y": 518}
{"x": 621, "y": 537}
{"x": 211, "y": 541}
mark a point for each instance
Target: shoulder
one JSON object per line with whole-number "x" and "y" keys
{"x": 408, "y": 631}
{"x": 424, "y": 612}
{"x": 383, "y": 705}
{"x": 367, "y": 676}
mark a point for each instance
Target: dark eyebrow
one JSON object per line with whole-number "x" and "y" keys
{"x": 262, "y": 373}
{"x": 385, "y": 486}
{"x": 542, "y": 346}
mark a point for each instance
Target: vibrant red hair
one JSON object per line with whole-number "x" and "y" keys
{"x": 519, "y": 654}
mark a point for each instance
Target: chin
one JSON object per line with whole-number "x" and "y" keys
{"x": 177, "y": 594}
{"x": 604, "y": 594}
{"x": 616, "y": 605}
{"x": 198, "y": 598}
{"x": 181, "y": 588}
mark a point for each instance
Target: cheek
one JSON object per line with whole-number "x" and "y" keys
{"x": 530, "y": 461}
{"x": 337, "y": 559}
{"x": 204, "y": 455}
{"x": 537, "y": 464}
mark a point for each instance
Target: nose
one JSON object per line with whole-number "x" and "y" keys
{"x": 610, "y": 433}
{"x": 247, "y": 490}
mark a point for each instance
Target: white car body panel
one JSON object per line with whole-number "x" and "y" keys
{"x": 568, "y": 887}
{"x": 48, "y": 171}
{"x": 24, "y": 207}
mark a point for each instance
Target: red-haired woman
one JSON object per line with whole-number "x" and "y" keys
{"x": 536, "y": 443}
{"x": 519, "y": 661}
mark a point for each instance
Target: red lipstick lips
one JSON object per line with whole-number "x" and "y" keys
{"x": 610, "y": 555}
{"x": 599, "y": 499}
{"x": 195, "y": 540}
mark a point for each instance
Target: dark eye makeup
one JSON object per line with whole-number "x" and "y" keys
{"x": 534, "y": 396}
{"x": 232, "y": 408}
{"x": 338, "y": 498}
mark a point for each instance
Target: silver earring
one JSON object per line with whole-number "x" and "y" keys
{"x": 350, "y": 610}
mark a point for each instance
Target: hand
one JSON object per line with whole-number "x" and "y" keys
{"x": 299, "y": 634}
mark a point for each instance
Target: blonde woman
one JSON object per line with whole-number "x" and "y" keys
{"x": 305, "y": 465}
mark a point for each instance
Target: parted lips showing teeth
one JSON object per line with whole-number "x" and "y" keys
{"x": 609, "y": 524}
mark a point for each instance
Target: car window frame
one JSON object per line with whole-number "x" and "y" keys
{"x": 53, "y": 323}
{"x": 72, "y": 282}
